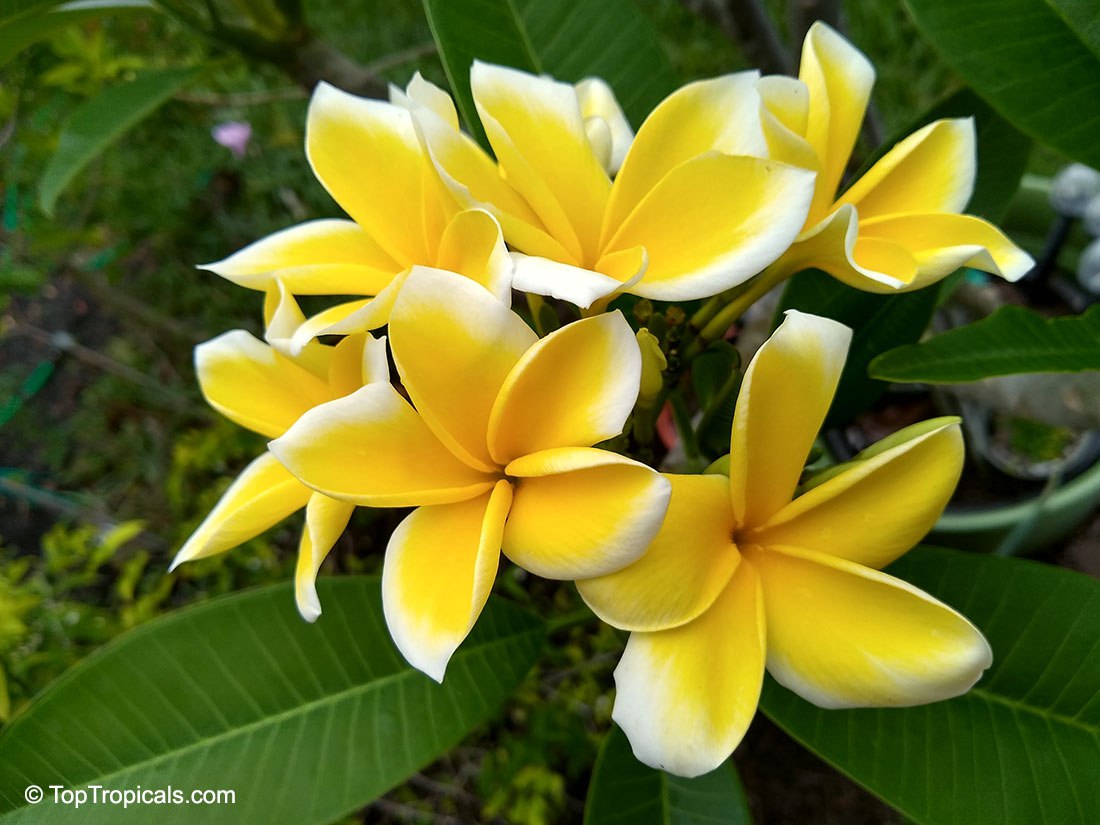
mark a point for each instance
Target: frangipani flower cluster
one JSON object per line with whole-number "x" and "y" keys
{"x": 505, "y": 442}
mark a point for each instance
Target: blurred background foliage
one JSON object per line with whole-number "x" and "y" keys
{"x": 108, "y": 455}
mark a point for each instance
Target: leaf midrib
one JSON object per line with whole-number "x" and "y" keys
{"x": 1050, "y": 715}
{"x": 277, "y": 718}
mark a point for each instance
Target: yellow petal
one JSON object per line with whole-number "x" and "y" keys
{"x": 367, "y": 155}
{"x": 356, "y": 361}
{"x": 714, "y": 222}
{"x": 932, "y": 170}
{"x": 786, "y": 392}
{"x": 836, "y": 246}
{"x": 598, "y": 105}
{"x": 535, "y": 127}
{"x": 542, "y": 276}
{"x": 372, "y": 448}
{"x": 573, "y": 388}
{"x": 325, "y": 257}
{"x": 841, "y": 635}
{"x": 783, "y": 118}
{"x": 440, "y": 565}
{"x": 941, "y": 243}
{"x": 473, "y": 246}
{"x": 878, "y": 506}
{"x": 839, "y": 79}
{"x": 351, "y": 317}
{"x": 282, "y": 319}
{"x": 474, "y": 179}
{"x": 581, "y": 512}
{"x": 687, "y": 566}
{"x": 326, "y": 519}
{"x": 251, "y": 384}
{"x": 421, "y": 92}
{"x": 721, "y": 114}
{"x": 686, "y": 696}
{"x": 261, "y": 496}
{"x": 454, "y": 345}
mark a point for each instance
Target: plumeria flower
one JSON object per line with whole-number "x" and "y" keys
{"x": 749, "y": 570}
{"x": 693, "y": 210}
{"x": 264, "y": 388}
{"x": 367, "y": 155}
{"x": 494, "y": 452}
{"x": 900, "y": 226}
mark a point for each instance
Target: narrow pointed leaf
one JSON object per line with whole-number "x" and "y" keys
{"x": 306, "y": 723}
{"x": 1021, "y": 747}
{"x": 1010, "y": 341}
{"x": 99, "y": 122}
{"x": 623, "y": 791}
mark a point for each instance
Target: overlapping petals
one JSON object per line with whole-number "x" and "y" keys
{"x": 693, "y": 208}
{"x": 755, "y": 556}
{"x": 500, "y": 427}
{"x": 898, "y": 227}
{"x": 368, "y": 156}
{"x": 265, "y": 388}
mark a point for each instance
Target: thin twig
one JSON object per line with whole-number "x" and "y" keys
{"x": 748, "y": 24}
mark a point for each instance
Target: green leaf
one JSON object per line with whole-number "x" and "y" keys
{"x": 18, "y": 34}
{"x": 878, "y": 322}
{"x": 1020, "y": 748}
{"x": 611, "y": 39}
{"x": 623, "y": 791}
{"x": 1037, "y": 68}
{"x": 716, "y": 378}
{"x": 99, "y": 122}
{"x": 15, "y": 9}
{"x": 1081, "y": 16}
{"x": 305, "y": 722}
{"x": 1012, "y": 340}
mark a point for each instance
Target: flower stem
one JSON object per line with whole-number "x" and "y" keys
{"x": 718, "y": 322}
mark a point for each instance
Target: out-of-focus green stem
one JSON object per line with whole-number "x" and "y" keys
{"x": 715, "y": 327}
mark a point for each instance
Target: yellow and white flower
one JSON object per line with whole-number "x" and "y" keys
{"x": 494, "y": 451}
{"x": 694, "y": 208}
{"x": 367, "y": 155}
{"x": 264, "y": 388}
{"x": 900, "y": 226}
{"x": 750, "y": 571}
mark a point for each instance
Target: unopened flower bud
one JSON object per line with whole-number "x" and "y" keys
{"x": 653, "y": 364}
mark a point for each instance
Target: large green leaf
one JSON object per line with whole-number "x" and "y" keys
{"x": 1011, "y": 340}
{"x": 623, "y": 791}
{"x": 15, "y": 9}
{"x": 305, "y": 722}
{"x": 878, "y": 322}
{"x": 569, "y": 40}
{"x": 1023, "y": 747}
{"x": 99, "y": 122}
{"x": 1036, "y": 67}
{"x": 22, "y": 32}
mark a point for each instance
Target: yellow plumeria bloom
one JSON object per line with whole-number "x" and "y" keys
{"x": 749, "y": 571}
{"x": 494, "y": 452}
{"x": 693, "y": 210}
{"x": 264, "y": 388}
{"x": 367, "y": 155}
{"x": 899, "y": 227}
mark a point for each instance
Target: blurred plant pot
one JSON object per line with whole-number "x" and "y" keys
{"x": 1023, "y": 527}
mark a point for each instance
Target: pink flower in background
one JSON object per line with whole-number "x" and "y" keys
{"x": 233, "y": 135}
